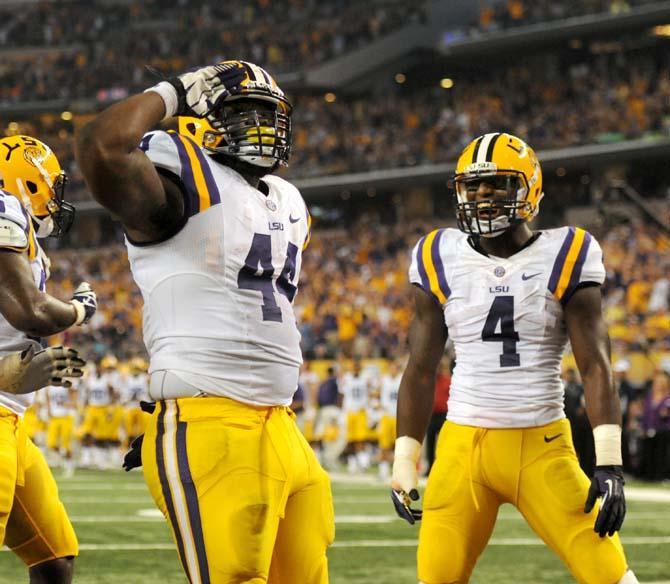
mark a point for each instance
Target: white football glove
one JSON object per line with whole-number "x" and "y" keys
{"x": 85, "y": 302}
{"x": 196, "y": 93}
{"x": 28, "y": 371}
{"x": 405, "y": 478}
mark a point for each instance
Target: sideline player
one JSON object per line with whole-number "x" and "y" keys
{"x": 390, "y": 385}
{"x": 510, "y": 299}
{"x": 33, "y": 521}
{"x": 215, "y": 245}
{"x": 355, "y": 387}
{"x": 61, "y": 408}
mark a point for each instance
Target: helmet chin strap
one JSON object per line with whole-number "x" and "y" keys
{"x": 44, "y": 225}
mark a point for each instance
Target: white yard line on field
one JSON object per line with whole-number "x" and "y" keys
{"x": 66, "y": 488}
{"x": 370, "y": 543}
{"x": 153, "y": 515}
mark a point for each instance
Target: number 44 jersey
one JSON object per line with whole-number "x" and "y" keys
{"x": 218, "y": 295}
{"x": 505, "y": 317}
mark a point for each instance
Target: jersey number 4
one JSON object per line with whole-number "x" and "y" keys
{"x": 502, "y": 311}
{"x": 258, "y": 259}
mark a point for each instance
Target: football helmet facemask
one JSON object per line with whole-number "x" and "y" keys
{"x": 30, "y": 171}
{"x": 252, "y": 125}
{"x": 511, "y": 173}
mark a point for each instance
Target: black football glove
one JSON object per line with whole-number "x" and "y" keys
{"x": 402, "y": 502}
{"x": 133, "y": 458}
{"x": 148, "y": 407}
{"x": 607, "y": 482}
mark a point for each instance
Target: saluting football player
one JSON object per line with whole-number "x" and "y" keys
{"x": 215, "y": 245}
{"x": 33, "y": 521}
{"x": 510, "y": 299}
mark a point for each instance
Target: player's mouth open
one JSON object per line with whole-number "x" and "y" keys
{"x": 488, "y": 213}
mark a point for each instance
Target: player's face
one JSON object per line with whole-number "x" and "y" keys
{"x": 493, "y": 189}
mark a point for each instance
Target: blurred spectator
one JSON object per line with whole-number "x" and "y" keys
{"x": 655, "y": 464}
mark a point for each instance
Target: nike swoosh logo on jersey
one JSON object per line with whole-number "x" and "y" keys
{"x": 552, "y": 438}
{"x": 292, "y": 220}
{"x": 524, "y": 277}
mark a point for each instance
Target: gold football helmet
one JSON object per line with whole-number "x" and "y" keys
{"x": 30, "y": 171}
{"x": 252, "y": 125}
{"x": 511, "y": 173}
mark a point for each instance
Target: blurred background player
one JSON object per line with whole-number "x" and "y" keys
{"x": 355, "y": 389}
{"x": 390, "y": 385}
{"x": 509, "y": 298}
{"x": 309, "y": 380}
{"x": 100, "y": 417}
{"x": 327, "y": 422}
{"x": 218, "y": 282}
{"x": 61, "y": 406}
{"x": 32, "y": 206}
{"x": 134, "y": 387}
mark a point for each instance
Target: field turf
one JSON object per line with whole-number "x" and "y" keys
{"x": 125, "y": 541}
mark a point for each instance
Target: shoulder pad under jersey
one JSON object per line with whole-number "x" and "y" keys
{"x": 186, "y": 160}
{"x": 14, "y": 223}
{"x": 427, "y": 267}
{"x": 578, "y": 259}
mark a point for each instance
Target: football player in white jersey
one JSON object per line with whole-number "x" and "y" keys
{"x": 390, "y": 386}
{"x": 215, "y": 245}
{"x": 355, "y": 388}
{"x": 33, "y": 521}
{"x": 510, "y": 299}
{"x": 61, "y": 409}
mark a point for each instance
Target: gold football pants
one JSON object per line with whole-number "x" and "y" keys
{"x": 536, "y": 470}
{"x": 33, "y": 521}
{"x": 242, "y": 490}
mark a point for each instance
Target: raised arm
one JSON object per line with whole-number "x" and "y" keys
{"x": 427, "y": 337}
{"x": 120, "y": 176}
{"x": 591, "y": 347}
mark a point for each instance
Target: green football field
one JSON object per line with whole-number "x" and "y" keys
{"x": 124, "y": 540}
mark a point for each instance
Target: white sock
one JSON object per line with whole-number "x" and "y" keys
{"x": 629, "y": 578}
{"x": 384, "y": 470}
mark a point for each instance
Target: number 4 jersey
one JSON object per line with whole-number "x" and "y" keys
{"x": 505, "y": 317}
{"x": 218, "y": 295}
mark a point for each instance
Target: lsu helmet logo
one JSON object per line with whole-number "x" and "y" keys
{"x": 511, "y": 172}
{"x": 252, "y": 125}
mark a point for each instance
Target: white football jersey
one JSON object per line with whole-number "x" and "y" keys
{"x": 218, "y": 295}
{"x": 355, "y": 390}
{"x": 389, "y": 394}
{"x": 133, "y": 389}
{"x": 60, "y": 401}
{"x": 505, "y": 317}
{"x": 97, "y": 390}
{"x": 23, "y": 241}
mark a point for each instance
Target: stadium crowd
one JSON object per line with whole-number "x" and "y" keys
{"x": 503, "y": 14}
{"x": 609, "y": 98}
{"x": 97, "y": 47}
